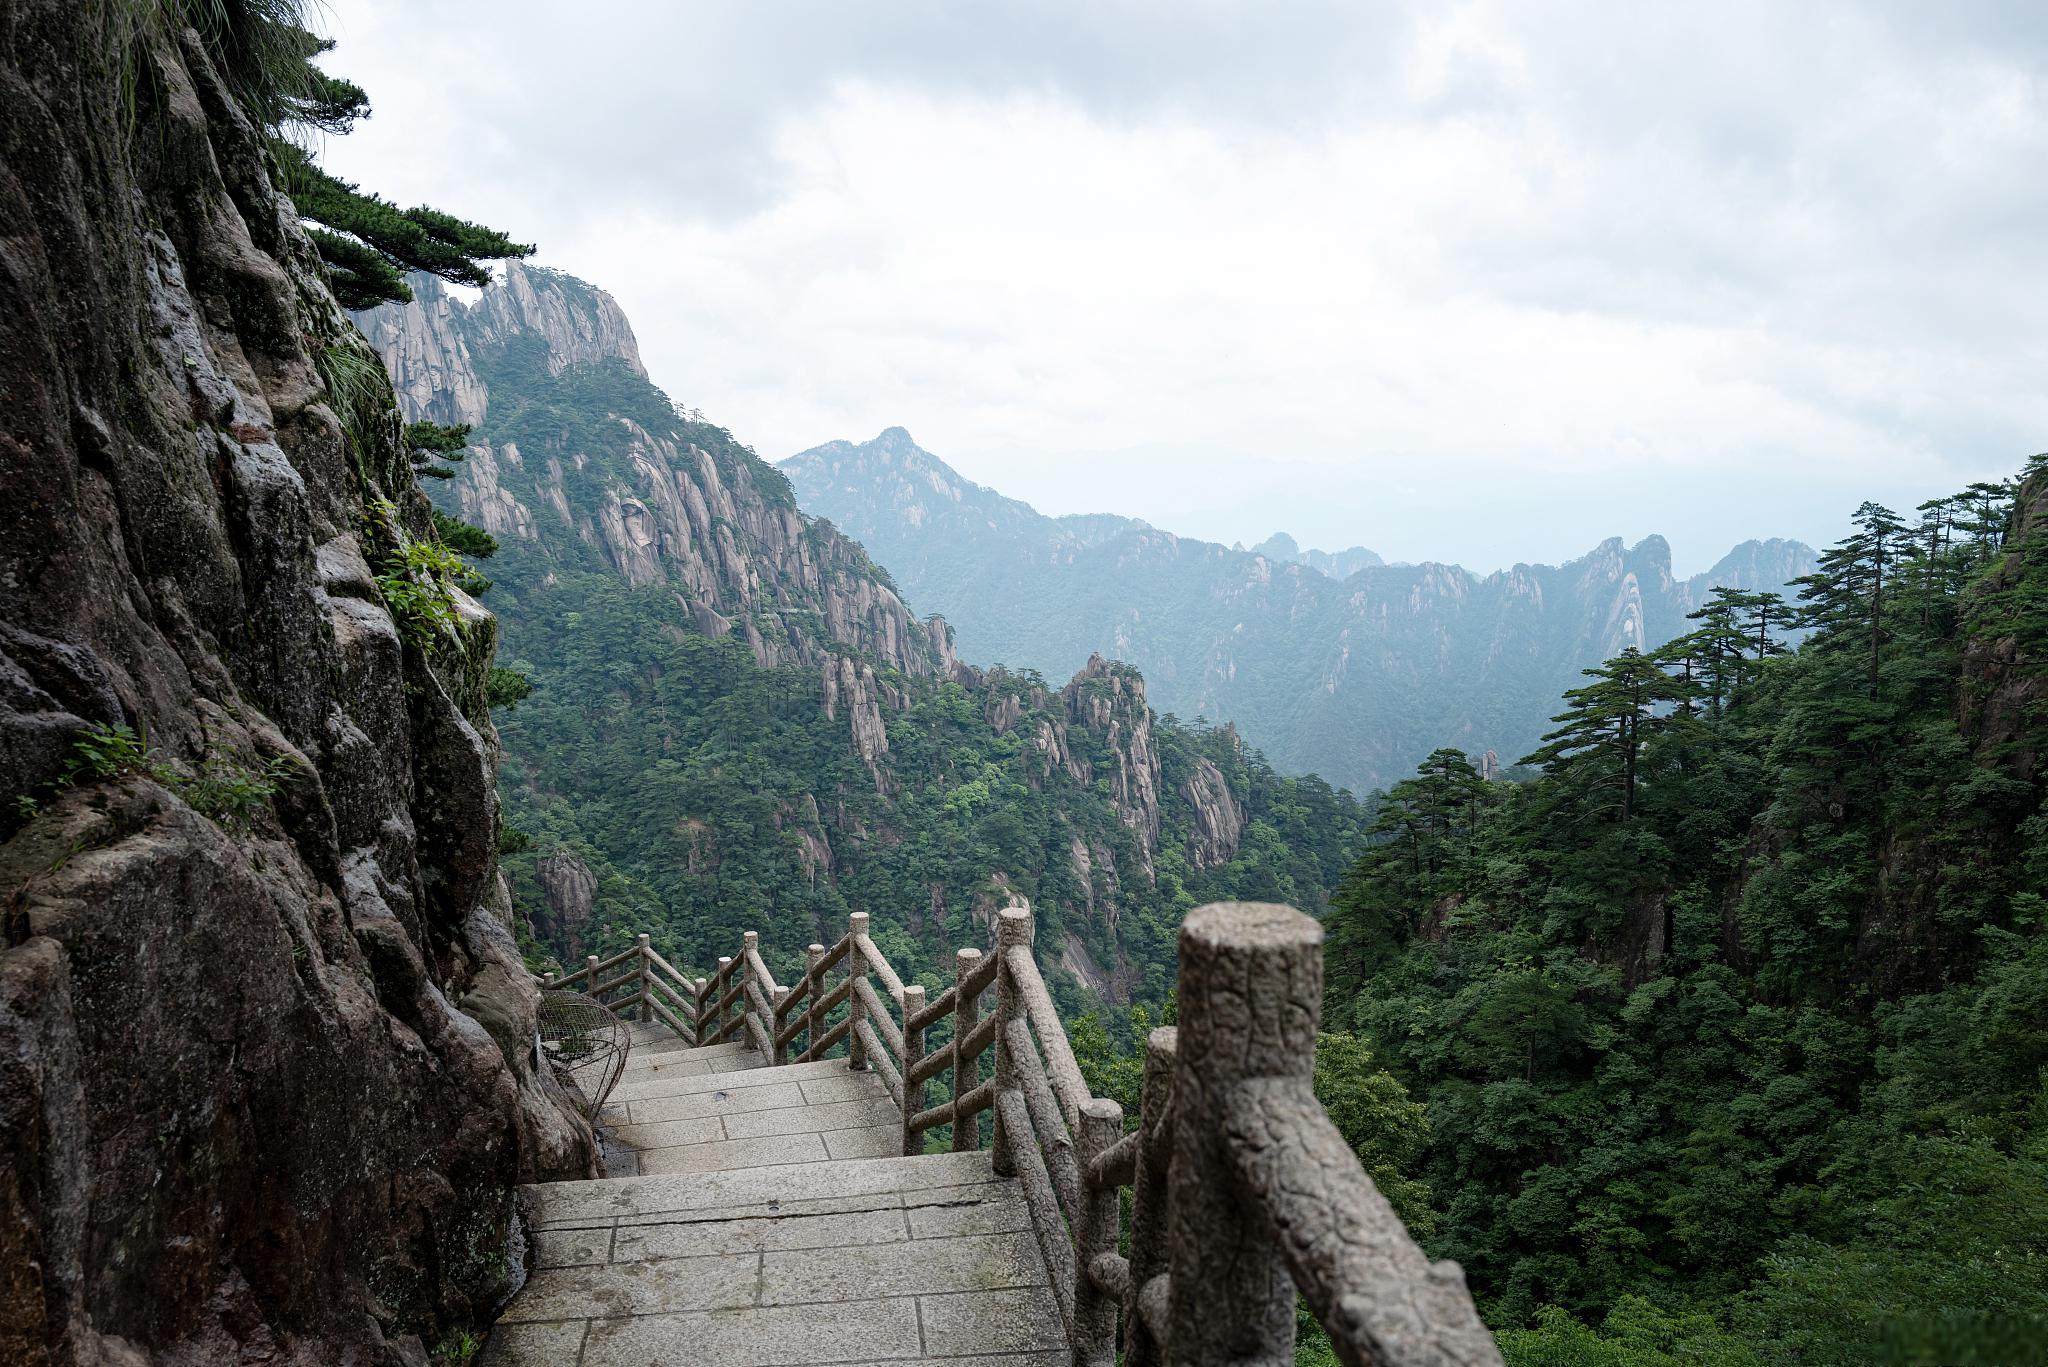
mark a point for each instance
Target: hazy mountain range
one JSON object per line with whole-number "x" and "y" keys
{"x": 1337, "y": 664}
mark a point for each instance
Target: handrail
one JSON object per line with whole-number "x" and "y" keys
{"x": 1264, "y": 1192}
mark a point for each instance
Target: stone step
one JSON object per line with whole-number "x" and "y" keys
{"x": 926, "y": 1259}
{"x": 677, "y": 1122}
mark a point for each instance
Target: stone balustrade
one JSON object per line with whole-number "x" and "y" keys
{"x": 1243, "y": 1192}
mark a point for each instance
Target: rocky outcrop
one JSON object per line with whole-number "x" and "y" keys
{"x": 1218, "y": 820}
{"x": 680, "y": 505}
{"x": 569, "y": 889}
{"x": 1109, "y": 700}
{"x": 852, "y": 686}
{"x": 265, "y": 1037}
{"x": 430, "y": 343}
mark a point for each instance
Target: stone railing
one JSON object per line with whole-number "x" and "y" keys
{"x": 1242, "y": 1189}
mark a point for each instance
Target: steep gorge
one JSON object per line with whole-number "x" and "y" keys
{"x": 265, "y": 1036}
{"x": 739, "y": 724}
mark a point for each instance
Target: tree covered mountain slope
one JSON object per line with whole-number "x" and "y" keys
{"x": 737, "y": 723}
{"x": 1355, "y": 678}
{"x": 1732, "y": 1028}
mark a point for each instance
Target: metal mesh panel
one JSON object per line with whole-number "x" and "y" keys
{"x": 584, "y": 1043}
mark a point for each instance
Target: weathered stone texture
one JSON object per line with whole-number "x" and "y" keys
{"x": 264, "y": 1076}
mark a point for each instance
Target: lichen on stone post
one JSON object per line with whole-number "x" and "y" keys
{"x": 856, "y": 970}
{"x": 750, "y": 983}
{"x": 1013, "y": 931}
{"x": 721, "y": 984}
{"x": 1149, "y": 1256}
{"x": 966, "y": 1070}
{"x": 913, "y": 1054}
{"x": 646, "y": 984}
{"x": 1251, "y": 988}
{"x": 1095, "y": 1233}
{"x": 814, "y": 979}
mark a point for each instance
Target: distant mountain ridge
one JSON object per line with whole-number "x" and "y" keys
{"x": 1354, "y": 673}
{"x": 1337, "y": 564}
{"x": 736, "y": 722}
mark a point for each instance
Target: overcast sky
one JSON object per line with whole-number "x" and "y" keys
{"x": 1482, "y": 283}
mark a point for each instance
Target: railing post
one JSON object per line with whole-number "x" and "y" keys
{"x": 1251, "y": 993}
{"x": 698, "y": 987}
{"x": 856, "y": 971}
{"x": 814, "y": 1020}
{"x": 1095, "y": 1232}
{"x": 913, "y": 1054}
{"x": 646, "y": 989}
{"x": 1013, "y": 930}
{"x": 751, "y": 940}
{"x": 590, "y": 976}
{"x": 721, "y": 983}
{"x": 1148, "y": 1192}
{"x": 775, "y": 1028}
{"x": 966, "y": 1071}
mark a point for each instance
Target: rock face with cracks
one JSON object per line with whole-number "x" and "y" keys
{"x": 265, "y": 1039}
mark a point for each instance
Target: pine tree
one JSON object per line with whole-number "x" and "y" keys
{"x": 1607, "y": 723}
{"x": 367, "y": 242}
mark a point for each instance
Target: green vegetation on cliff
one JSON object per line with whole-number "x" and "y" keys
{"x": 1732, "y": 1027}
{"x": 703, "y": 740}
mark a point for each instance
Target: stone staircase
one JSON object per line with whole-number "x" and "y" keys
{"x": 774, "y": 1202}
{"x": 773, "y": 1220}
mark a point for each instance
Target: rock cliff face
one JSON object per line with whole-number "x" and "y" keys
{"x": 428, "y": 343}
{"x": 693, "y": 511}
{"x": 1332, "y": 663}
{"x": 569, "y": 890}
{"x": 265, "y": 1079}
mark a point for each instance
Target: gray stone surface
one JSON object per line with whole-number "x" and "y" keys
{"x": 757, "y": 1234}
{"x": 768, "y": 1150}
{"x": 650, "y": 1287}
{"x": 885, "y": 1330}
{"x": 1019, "y": 1320}
{"x": 1005, "y": 1214}
{"x": 983, "y": 1262}
{"x": 534, "y": 1345}
{"x": 832, "y": 1115}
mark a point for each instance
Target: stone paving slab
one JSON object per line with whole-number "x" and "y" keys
{"x": 672, "y": 1083}
{"x": 665, "y": 1286}
{"x": 899, "y": 1260}
{"x": 873, "y": 1142}
{"x": 830, "y": 1115}
{"x": 758, "y": 1336}
{"x": 757, "y": 1234}
{"x": 775, "y": 1149}
{"x": 983, "y": 1262}
{"x": 740, "y": 1188}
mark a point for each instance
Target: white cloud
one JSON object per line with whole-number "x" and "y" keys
{"x": 1484, "y": 286}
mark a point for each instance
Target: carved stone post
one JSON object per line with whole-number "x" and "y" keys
{"x": 749, "y": 980}
{"x": 1095, "y": 1231}
{"x": 814, "y": 1019}
{"x": 1013, "y": 931}
{"x": 856, "y": 973}
{"x": 721, "y": 984}
{"x": 1251, "y": 993}
{"x": 913, "y": 1054}
{"x": 1148, "y": 1191}
{"x": 966, "y": 1071}
{"x": 646, "y": 989}
{"x": 590, "y": 975}
{"x": 702, "y": 1022}
{"x": 775, "y": 1027}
